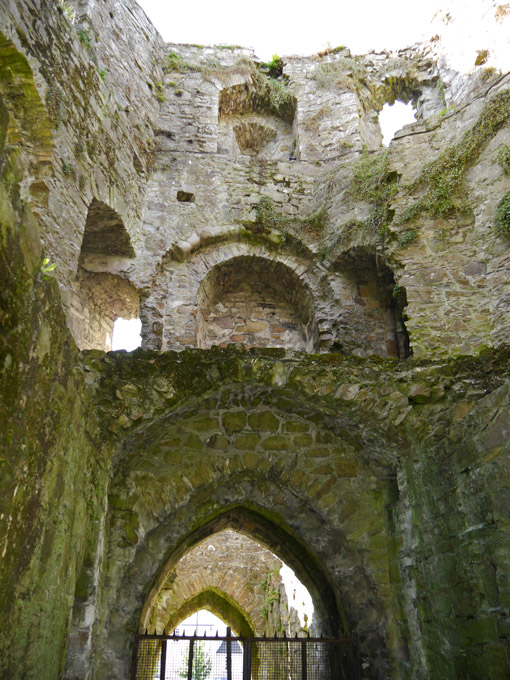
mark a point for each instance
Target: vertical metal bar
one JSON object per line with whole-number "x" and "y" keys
{"x": 229, "y": 654}
{"x": 332, "y": 663}
{"x": 247, "y": 659}
{"x": 162, "y": 665}
{"x": 135, "y": 658}
{"x": 357, "y": 659}
{"x": 304, "y": 667}
{"x": 190, "y": 659}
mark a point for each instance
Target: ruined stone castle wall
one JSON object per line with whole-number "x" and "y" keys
{"x": 138, "y": 169}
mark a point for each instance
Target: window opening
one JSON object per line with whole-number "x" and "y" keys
{"x": 126, "y": 334}
{"x": 203, "y": 622}
{"x": 394, "y": 117}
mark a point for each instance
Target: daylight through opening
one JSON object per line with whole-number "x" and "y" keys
{"x": 394, "y": 117}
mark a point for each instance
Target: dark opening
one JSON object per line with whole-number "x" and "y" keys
{"x": 185, "y": 197}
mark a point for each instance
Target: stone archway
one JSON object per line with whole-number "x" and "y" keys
{"x": 220, "y": 604}
{"x": 272, "y": 533}
{"x": 231, "y": 571}
{"x": 269, "y": 436}
{"x": 257, "y": 302}
{"x": 321, "y": 557}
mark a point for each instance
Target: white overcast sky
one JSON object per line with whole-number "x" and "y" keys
{"x": 289, "y": 27}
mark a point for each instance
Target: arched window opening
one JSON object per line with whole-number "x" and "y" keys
{"x": 394, "y": 117}
{"x": 256, "y": 302}
{"x": 202, "y": 622}
{"x": 101, "y": 293}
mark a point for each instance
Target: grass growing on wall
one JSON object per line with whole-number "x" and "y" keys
{"x": 268, "y": 218}
{"x": 271, "y": 86}
{"x": 373, "y": 183}
{"x": 502, "y": 216}
{"x": 444, "y": 177}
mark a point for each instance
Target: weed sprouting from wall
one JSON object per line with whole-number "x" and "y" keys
{"x": 270, "y": 86}
{"x": 345, "y": 72}
{"x": 504, "y": 158}
{"x": 85, "y": 38}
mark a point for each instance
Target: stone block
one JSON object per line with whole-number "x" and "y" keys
{"x": 303, "y": 440}
{"x": 204, "y": 424}
{"x": 345, "y": 467}
{"x": 277, "y": 443}
{"x": 234, "y": 421}
{"x": 318, "y": 452}
{"x": 218, "y": 442}
{"x": 296, "y": 426}
{"x": 476, "y": 631}
{"x": 264, "y": 420}
{"x": 249, "y": 440}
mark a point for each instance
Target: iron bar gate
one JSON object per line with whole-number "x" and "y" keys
{"x": 201, "y": 657}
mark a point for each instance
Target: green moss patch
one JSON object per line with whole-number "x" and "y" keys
{"x": 373, "y": 183}
{"x": 502, "y": 216}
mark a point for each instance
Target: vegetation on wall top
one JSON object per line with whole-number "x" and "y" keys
{"x": 344, "y": 72}
{"x": 268, "y": 218}
{"x": 270, "y": 85}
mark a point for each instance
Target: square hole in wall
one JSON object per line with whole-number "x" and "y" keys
{"x": 185, "y": 197}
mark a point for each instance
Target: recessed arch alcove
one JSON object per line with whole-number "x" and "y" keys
{"x": 258, "y": 302}
{"x": 372, "y": 321}
{"x": 101, "y": 292}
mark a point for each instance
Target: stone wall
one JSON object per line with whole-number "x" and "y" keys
{"x": 381, "y": 482}
{"x": 274, "y": 450}
{"x": 53, "y": 465}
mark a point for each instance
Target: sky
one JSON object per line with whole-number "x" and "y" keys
{"x": 286, "y": 27}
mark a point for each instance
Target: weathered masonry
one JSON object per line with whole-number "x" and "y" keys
{"x": 324, "y": 362}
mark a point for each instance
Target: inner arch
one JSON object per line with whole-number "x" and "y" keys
{"x": 277, "y": 538}
{"x": 257, "y": 302}
{"x": 218, "y": 603}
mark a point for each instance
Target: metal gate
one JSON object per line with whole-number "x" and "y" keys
{"x": 200, "y": 657}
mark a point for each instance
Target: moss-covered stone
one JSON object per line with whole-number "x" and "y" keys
{"x": 303, "y": 440}
{"x": 277, "y": 443}
{"x": 217, "y": 441}
{"x": 296, "y": 426}
{"x": 234, "y": 421}
{"x": 264, "y": 420}
{"x": 248, "y": 440}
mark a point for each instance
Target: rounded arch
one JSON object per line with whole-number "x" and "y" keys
{"x": 255, "y": 301}
{"x": 175, "y": 326}
{"x": 218, "y": 603}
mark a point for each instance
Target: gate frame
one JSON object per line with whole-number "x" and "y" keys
{"x": 246, "y": 643}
